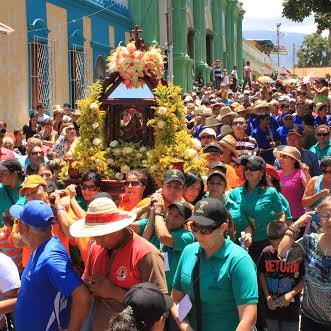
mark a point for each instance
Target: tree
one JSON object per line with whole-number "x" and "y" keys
{"x": 314, "y": 52}
{"x": 298, "y": 10}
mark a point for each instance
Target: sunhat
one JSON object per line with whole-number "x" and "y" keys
{"x": 263, "y": 104}
{"x": 102, "y": 218}
{"x": 226, "y": 129}
{"x": 230, "y": 143}
{"x": 288, "y": 150}
{"x": 203, "y": 111}
{"x": 211, "y": 121}
{"x": 225, "y": 111}
{"x": 319, "y": 105}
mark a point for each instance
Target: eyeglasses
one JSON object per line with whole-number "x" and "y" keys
{"x": 207, "y": 137}
{"x": 325, "y": 217}
{"x": 322, "y": 134}
{"x": 239, "y": 123}
{"x": 203, "y": 229}
{"x": 324, "y": 171}
{"x": 91, "y": 187}
{"x": 252, "y": 168}
{"x": 132, "y": 183}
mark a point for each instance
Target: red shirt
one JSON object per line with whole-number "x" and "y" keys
{"x": 6, "y": 154}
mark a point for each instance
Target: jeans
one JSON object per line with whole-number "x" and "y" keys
{"x": 275, "y": 325}
{"x": 307, "y": 324}
{"x": 247, "y": 80}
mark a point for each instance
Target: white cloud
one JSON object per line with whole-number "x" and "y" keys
{"x": 265, "y": 14}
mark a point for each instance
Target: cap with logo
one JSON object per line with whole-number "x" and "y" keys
{"x": 213, "y": 148}
{"x": 35, "y": 213}
{"x": 173, "y": 175}
{"x": 209, "y": 211}
{"x": 184, "y": 208}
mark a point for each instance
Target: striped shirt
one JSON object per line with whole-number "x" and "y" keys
{"x": 247, "y": 146}
{"x": 9, "y": 249}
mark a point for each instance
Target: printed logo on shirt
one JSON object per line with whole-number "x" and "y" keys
{"x": 121, "y": 273}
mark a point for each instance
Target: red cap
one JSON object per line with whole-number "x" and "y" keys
{"x": 270, "y": 170}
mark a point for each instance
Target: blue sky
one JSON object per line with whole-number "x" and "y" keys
{"x": 265, "y": 14}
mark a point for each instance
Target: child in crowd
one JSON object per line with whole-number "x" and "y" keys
{"x": 6, "y": 244}
{"x": 281, "y": 282}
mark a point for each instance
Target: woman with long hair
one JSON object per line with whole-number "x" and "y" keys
{"x": 30, "y": 129}
{"x": 194, "y": 188}
{"x": 48, "y": 134}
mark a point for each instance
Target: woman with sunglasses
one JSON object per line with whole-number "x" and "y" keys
{"x": 48, "y": 135}
{"x": 318, "y": 188}
{"x": 216, "y": 275}
{"x": 138, "y": 186}
{"x": 259, "y": 204}
{"x": 315, "y": 250}
{"x": 293, "y": 177}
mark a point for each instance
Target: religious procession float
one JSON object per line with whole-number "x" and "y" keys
{"x": 133, "y": 119}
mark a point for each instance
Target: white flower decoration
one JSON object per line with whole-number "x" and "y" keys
{"x": 95, "y": 125}
{"x": 139, "y": 156}
{"x": 196, "y": 144}
{"x": 125, "y": 169}
{"x": 117, "y": 151}
{"x": 119, "y": 176}
{"x": 162, "y": 111}
{"x": 161, "y": 124}
{"x": 191, "y": 152}
{"x": 153, "y": 168}
{"x": 110, "y": 161}
{"x": 94, "y": 106}
{"x": 142, "y": 149}
{"x": 97, "y": 141}
{"x": 114, "y": 143}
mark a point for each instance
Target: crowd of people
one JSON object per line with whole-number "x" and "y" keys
{"x": 247, "y": 246}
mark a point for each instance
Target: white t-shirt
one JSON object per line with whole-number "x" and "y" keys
{"x": 41, "y": 119}
{"x": 9, "y": 277}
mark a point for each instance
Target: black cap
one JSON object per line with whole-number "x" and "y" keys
{"x": 184, "y": 208}
{"x": 147, "y": 303}
{"x": 209, "y": 211}
{"x": 173, "y": 174}
{"x": 213, "y": 147}
{"x": 215, "y": 165}
{"x": 256, "y": 161}
{"x": 216, "y": 173}
{"x": 240, "y": 159}
{"x": 12, "y": 165}
{"x": 51, "y": 186}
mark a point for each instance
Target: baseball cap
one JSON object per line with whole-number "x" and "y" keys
{"x": 207, "y": 131}
{"x": 287, "y": 115}
{"x": 35, "y": 213}
{"x": 216, "y": 173}
{"x": 11, "y": 165}
{"x": 240, "y": 159}
{"x": 147, "y": 302}
{"x": 219, "y": 165}
{"x": 32, "y": 181}
{"x": 270, "y": 170}
{"x": 209, "y": 211}
{"x": 213, "y": 147}
{"x": 296, "y": 131}
{"x": 184, "y": 208}
{"x": 254, "y": 160}
{"x": 173, "y": 174}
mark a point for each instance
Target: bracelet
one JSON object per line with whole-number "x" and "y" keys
{"x": 158, "y": 213}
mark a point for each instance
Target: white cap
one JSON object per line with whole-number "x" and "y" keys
{"x": 207, "y": 131}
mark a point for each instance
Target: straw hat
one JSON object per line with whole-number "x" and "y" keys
{"x": 240, "y": 109}
{"x": 203, "y": 111}
{"x": 225, "y": 130}
{"x": 211, "y": 121}
{"x": 230, "y": 143}
{"x": 102, "y": 218}
{"x": 57, "y": 108}
{"x": 263, "y": 104}
{"x": 225, "y": 111}
{"x": 288, "y": 150}
{"x": 319, "y": 105}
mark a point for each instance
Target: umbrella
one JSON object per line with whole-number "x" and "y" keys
{"x": 264, "y": 79}
{"x": 5, "y": 29}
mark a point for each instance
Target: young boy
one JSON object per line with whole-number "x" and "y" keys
{"x": 6, "y": 245}
{"x": 281, "y": 282}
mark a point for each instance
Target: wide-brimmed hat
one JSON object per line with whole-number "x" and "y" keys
{"x": 226, "y": 129}
{"x": 263, "y": 104}
{"x": 319, "y": 105}
{"x": 293, "y": 152}
{"x": 211, "y": 121}
{"x": 217, "y": 104}
{"x": 270, "y": 170}
{"x": 203, "y": 111}
{"x": 57, "y": 108}
{"x": 230, "y": 143}
{"x": 225, "y": 111}
{"x": 102, "y": 218}
{"x": 240, "y": 109}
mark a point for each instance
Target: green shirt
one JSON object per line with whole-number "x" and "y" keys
{"x": 286, "y": 208}
{"x": 181, "y": 238}
{"x": 227, "y": 280}
{"x": 260, "y": 205}
{"x": 8, "y": 197}
{"x": 321, "y": 153}
{"x": 82, "y": 202}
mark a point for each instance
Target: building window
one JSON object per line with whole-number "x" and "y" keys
{"x": 79, "y": 68}
{"x": 41, "y": 62}
{"x": 100, "y": 68}
{"x": 190, "y": 44}
{"x": 209, "y": 49}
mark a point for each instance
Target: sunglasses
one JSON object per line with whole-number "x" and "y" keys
{"x": 322, "y": 134}
{"x": 239, "y": 123}
{"x": 324, "y": 171}
{"x": 89, "y": 187}
{"x": 203, "y": 229}
{"x": 252, "y": 168}
{"x": 132, "y": 183}
{"x": 207, "y": 137}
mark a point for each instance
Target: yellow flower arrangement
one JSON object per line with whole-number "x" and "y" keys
{"x": 172, "y": 141}
{"x": 133, "y": 64}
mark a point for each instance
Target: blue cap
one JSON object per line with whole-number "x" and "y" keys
{"x": 35, "y": 213}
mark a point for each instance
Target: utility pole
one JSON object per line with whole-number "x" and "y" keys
{"x": 169, "y": 40}
{"x": 293, "y": 58}
{"x": 278, "y": 45}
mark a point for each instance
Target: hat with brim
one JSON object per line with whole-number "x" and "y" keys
{"x": 217, "y": 104}
{"x": 263, "y": 104}
{"x": 240, "y": 109}
{"x": 33, "y": 181}
{"x": 254, "y": 160}
{"x": 293, "y": 152}
{"x": 230, "y": 143}
{"x": 271, "y": 171}
{"x": 216, "y": 173}
{"x": 211, "y": 122}
{"x": 102, "y": 218}
{"x": 225, "y": 111}
{"x": 203, "y": 111}
{"x": 319, "y": 105}
{"x": 225, "y": 130}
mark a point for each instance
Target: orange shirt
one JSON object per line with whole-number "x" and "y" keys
{"x": 232, "y": 178}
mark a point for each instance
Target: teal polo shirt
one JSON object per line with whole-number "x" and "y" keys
{"x": 260, "y": 204}
{"x": 182, "y": 238}
{"x": 227, "y": 280}
{"x": 82, "y": 202}
{"x": 286, "y": 208}
{"x": 8, "y": 197}
{"x": 321, "y": 152}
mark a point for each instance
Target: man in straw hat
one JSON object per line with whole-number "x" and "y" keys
{"x": 213, "y": 123}
{"x": 52, "y": 295}
{"x": 118, "y": 259}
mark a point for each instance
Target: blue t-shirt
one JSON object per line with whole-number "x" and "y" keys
{"x": 44, "y": 299}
